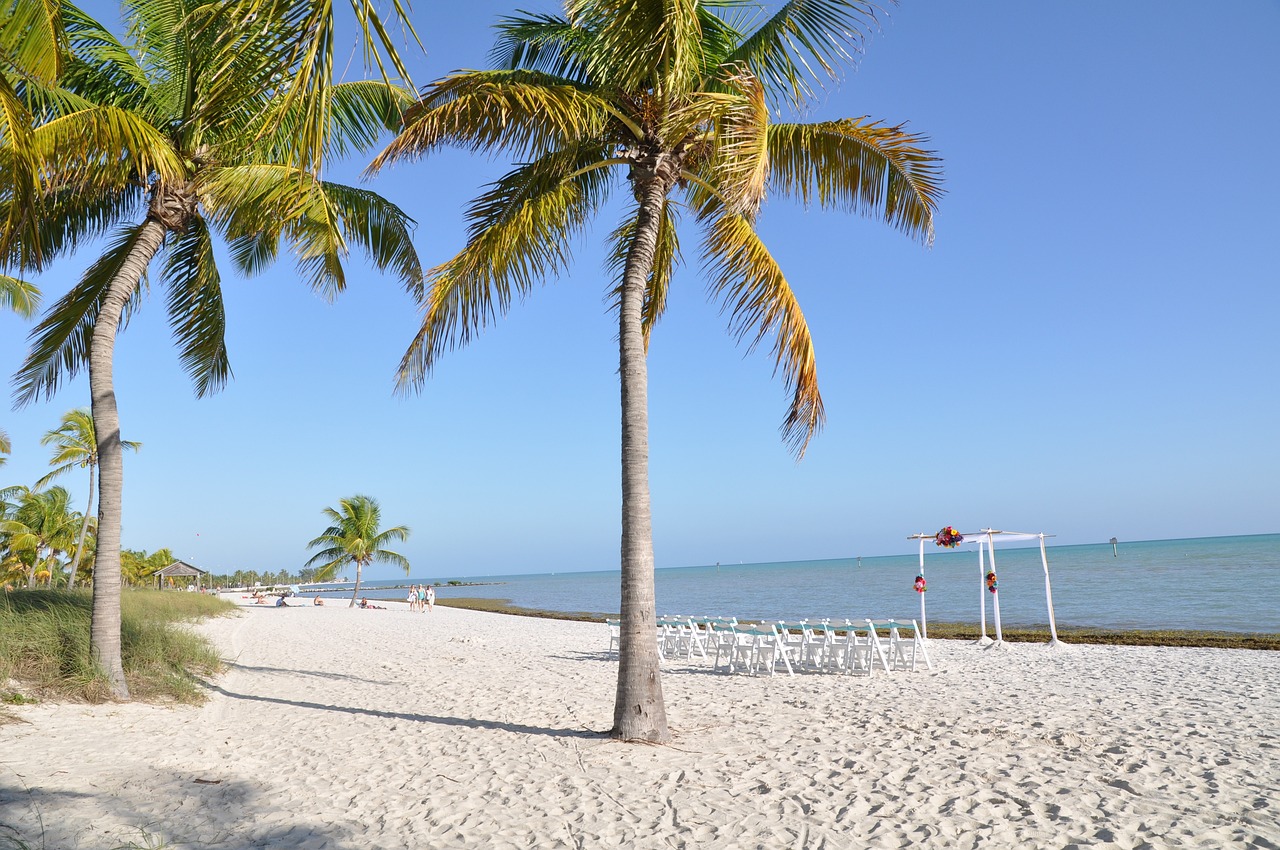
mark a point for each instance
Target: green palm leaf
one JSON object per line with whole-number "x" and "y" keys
{"x": 196, "y": 311}
{"x": 804, "y": 43}
{"x": 60, "y": 342}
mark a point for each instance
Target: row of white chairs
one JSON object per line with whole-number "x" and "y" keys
{"x": 822, "y": 646}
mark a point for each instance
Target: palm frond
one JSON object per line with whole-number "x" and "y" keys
{"x": 85, "y": 149}
{"x": 641, "y": 45}
{"x": 382, "y": 229}
{"x": 665, "y": 259}
{"x": 803, "y": 45}
{"x": 518, "y": 236}
{"x": 196, "y": 310}
{"x": 746, "y": 279}
{"x": 546, "y": 43}
{"x": 741, "y": 158}
{"x": 526, "y": 113}
{"x": 19, "y": 296}
{"x": 101, "y": 67}
{"x": 32, "y": 40}
{"x": 60, "y": 342}
{"x": 305, "y": 58}
{"x": 20, "y": 175}
{"x": 70, "y": 217}
{"x": 859, "y": 166}
{"x": 359, "y": 113}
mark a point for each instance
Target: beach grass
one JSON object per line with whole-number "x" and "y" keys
{"x": 962, "y": 631}
{"x": 44, "y": 646}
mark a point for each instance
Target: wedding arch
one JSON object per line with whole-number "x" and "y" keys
{"x": 985, "y": 540}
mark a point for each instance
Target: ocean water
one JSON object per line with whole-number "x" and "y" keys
{"x": 1216, "y": 583}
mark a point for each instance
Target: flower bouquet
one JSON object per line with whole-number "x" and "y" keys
{"x": 948, "y": 537}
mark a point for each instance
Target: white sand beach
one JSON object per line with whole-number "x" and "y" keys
{"x": 339, "y": 728}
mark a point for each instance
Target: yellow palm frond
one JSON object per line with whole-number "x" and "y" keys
{"x": 519, "y": 236}
{"x": 524, "y": 112}
{"x": 104, "y": 147}
{"x": 744, "y": 276}
{"x": 32, "y": 40}
{"x": 742, "y": 147}
{"x": 641, "y": 44}
{"x": 859, "y": 166}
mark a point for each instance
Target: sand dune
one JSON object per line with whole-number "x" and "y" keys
{"x": 339, "y": 728}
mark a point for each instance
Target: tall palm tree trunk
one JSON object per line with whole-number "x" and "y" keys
{"x": 355, "y": 591}
{"x": 104, "y": 634}
{"x": 639, "y": 712}
{"x": 84, "y": 531}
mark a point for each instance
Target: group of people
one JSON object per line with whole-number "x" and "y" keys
{"x": 422, "y": 597}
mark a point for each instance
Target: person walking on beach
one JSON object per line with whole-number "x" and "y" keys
{"x": 430, "y": 597}
{"x": 422, "y": 598}
{"x": 412, "y": 598}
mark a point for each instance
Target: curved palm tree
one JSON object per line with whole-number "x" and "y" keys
{"x": 355, "y": 538}
{"x": 41, "y": 528}
{"x": 197, "y": 128}
{"x": 679, "y": 98}
{"x": 75, "y": 445}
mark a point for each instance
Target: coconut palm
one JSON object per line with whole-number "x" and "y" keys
{"x": 5, "y": 447}
{"x": 678, "y": 98}
{"x": 42, "y": 527}
{"x": 195, "y": 129}
{"x": 75, "y": 445}
{"x": 355, "y": 538}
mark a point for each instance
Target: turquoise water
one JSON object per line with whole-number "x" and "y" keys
{"x": 1218, "y": 583}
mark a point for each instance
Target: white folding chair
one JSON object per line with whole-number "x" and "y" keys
{"x": 880, "y": 647}
{"x": 615, "y": 635}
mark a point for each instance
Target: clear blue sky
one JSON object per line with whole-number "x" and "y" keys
{"x": 1086, "y": 350}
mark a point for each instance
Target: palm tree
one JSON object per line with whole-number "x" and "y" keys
{"x": 41, "y": 528}
{"x": 355, "y": 537}
{"x": 679, "y": 96}
{"x": 5, "y": 447}
{"x": 197, "y": 128}
{"x": 75, "y": 445}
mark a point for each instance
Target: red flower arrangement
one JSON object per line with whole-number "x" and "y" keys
{"x": 921, "y": 585}
{"x": 991, "y": 581}
{"x": 948, "y": 537}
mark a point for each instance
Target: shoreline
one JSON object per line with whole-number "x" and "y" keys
{"x": 954, "y": 631}
{"x": 336, "y": 728}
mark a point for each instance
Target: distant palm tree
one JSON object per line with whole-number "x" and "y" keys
{"x": 679, "y": 99}
{"x": 5, "y": 447}
{"x": 355, "y": 538}
{"x": 215, "y": 119}
{"x": 41, "y": 527}
{"x": 76, "y": 445}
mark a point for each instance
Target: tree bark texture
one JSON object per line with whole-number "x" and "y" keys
{"x": 639, "y": 712}
{"x": 104, "y": 635}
